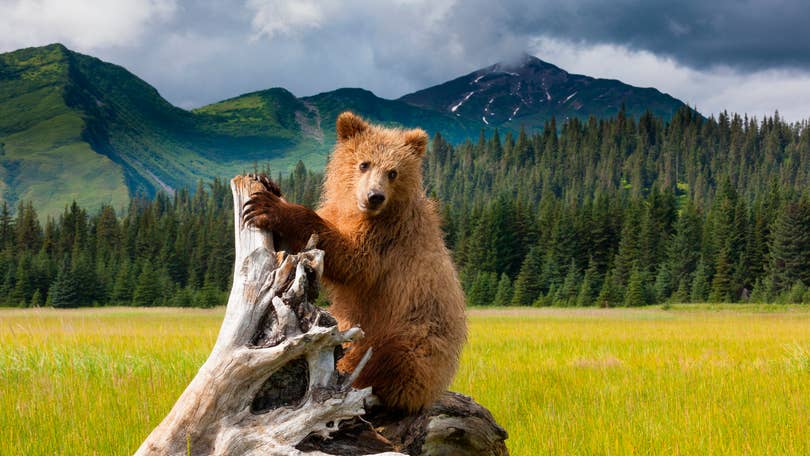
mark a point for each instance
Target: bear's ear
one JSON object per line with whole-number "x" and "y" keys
{"x": 349, "y": 125}
{"x": 417, "y": 140}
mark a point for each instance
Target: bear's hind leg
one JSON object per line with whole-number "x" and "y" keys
{"x": 402, "y": 373}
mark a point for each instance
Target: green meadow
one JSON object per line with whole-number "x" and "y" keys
{"x": 689, "y": 380}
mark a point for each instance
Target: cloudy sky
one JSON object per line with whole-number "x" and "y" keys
{"x": 747, "y": 56}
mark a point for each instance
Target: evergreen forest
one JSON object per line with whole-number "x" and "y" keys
{"x": 599, "y": 212}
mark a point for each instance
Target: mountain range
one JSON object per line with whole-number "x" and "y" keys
{"x": 73, "y": 127}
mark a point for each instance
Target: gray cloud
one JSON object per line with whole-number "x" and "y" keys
{"x": 747, "y": 35}
{"x": 197, "y": 52}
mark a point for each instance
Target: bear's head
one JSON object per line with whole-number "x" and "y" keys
{"x": 374, "y": 168}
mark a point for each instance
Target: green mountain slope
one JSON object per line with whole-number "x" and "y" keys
{"x": 44, "y": 156}
{"x": 75, "y": 127}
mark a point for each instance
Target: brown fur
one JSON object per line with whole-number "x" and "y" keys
{"x": 386, "y": 268}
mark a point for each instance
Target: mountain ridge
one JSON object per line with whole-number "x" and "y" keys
{"x": 511, "y": 94}
{"x": 74, "y": 127}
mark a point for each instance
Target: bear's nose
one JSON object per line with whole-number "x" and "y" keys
{"x": 375, "y": 198}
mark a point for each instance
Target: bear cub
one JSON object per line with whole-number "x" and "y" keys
{"x": 386, "y": 267}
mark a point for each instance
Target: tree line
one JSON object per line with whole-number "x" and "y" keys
{"x": 620, "y": 211}
{"x": 606, "y": 212}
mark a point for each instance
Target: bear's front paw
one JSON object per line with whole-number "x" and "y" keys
{"x": 267, "y": 183}
{"x": 263, "y": 210}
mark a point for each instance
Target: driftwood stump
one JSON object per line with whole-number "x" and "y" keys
{"x": 270, "y": 386}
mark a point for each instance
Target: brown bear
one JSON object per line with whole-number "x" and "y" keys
{"x": 386, "y": 267}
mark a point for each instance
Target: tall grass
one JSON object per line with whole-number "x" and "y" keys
{"x": 578, "y": 381}
{"x": 90, "y": 382}
{"x": 643, "y": 381}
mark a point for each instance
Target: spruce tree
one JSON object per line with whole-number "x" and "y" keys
{"x": 527, "y": 284}
{"x": 182, "y": 298}
{"x": 681, "y": 294}
{"x": 64, "y": 292}
{"x": 588, "y": 288}
{"x": 662, "y": 290}
{"x": 36, "y": 299}
{"x": 700, "y": 284}
{"x": 721, "y": 288}
{"x": 567, "y": 294}
{"x": 503, "y": 295}
{"x": 683, "y": 249}
{"x": 636, "y": 294}
{"x": 123, "y": 285}
{"x": 147, "y": 287}
{"x": 23, "y": 287}
{"x": 6, "y": 227}
{"x": 483, "y": 289}
{"x": 628, "y": 253}
{"x": 796, "y": 294}
{"x": 790, "y": 246}
{"x": 610, "y": 294}
{"x": 208, "y": 296}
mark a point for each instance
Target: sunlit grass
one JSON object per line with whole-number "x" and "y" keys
{"x": 643, "y": 381}
{"x": 94, "y": 381}
{"x": 691, "y": 380}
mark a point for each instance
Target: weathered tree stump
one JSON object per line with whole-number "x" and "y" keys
{"x": 270, "y": 386}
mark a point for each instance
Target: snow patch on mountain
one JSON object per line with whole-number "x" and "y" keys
{"x": 486, "y": 108}
{"x": 458, "y": 105}
{"x": 515, "y": 111}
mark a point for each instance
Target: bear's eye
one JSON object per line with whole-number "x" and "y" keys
{"x": 392, "y": 174}
{"x": 364, "y": 166}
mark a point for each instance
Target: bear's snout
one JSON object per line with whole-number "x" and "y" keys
{"x": 375, "y": 199}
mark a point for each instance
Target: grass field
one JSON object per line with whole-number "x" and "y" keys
{"x": 691, "y": 380}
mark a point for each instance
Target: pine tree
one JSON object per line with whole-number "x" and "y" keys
{"x": 123, "y": 285}
{"x": 27, "y": 230}
{"x": 84, "y": 272}
{"x": 6, "y": 227}
{"x": 683, "y": 250}
{"x": 483, "y": 289}
{"x": 23, "y": 287}
{"x": 662, "y": 289}
{"x": 527, "y": 284}
{"x": 721, "y": 289}
{"x": 183, "y": 298}
{"x": 503, "y": 295}
{"x": 610, "y": 295}
{"x": 700, "y": 284}
{"x": 628, "y": 252}
{"x": 208, "y": 296}
{"x": 682, "y": 293}
{"x": 790, "y": 246}
{"x": 796, "y": 294}
{"x": 147, "y": 287}
{"x": 763, "y": 291}
{"x": 36, "y": 299}
{"x": 567, "y": 294}
{"x": 588, "y": 288}
{"x": 64, "y": 292}
{"x": 636, "y": 295}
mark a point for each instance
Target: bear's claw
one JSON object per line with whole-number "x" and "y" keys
{"x": 267, "y": 183}
{"x": 260, "y": 209}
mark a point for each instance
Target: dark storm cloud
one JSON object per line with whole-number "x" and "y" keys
{"x": 747, "y": 35}
{"x": 197, "y": 52}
